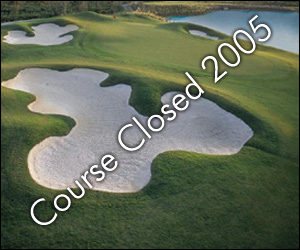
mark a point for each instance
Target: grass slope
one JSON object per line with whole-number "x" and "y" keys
{"x": 247, "y": 200}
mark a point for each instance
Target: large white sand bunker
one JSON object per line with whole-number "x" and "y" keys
{"x": 100, "y": 112}
{"x": 44, "y": 34}
{"x": 203, "y": 34}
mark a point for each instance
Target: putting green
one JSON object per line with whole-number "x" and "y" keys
{"x": 247, "y": 200}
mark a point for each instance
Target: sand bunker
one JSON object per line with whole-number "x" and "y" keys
{"x": 201, "y": 33}
{"x": 100, "y": 112}
{"x": 45, "y": 34}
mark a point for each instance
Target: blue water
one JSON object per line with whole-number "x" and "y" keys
{"x": 284, "y": 25}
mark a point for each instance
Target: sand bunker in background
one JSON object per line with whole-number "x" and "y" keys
{"x": 201, "y": 33}
{"x": 100, "y": 112}
{"x": 45, "y": 34}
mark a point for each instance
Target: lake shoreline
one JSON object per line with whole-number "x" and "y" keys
{"x": 241, "y": 9}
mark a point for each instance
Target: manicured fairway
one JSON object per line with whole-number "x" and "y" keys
{"x": 247, "y": 200}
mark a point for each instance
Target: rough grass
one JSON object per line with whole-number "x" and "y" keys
{"x": 247, "y": 200}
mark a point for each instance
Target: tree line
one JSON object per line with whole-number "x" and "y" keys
{"x": 22, "y": 10}
{"x": 188, "y": 8}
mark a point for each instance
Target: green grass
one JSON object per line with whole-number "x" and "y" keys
{"x": 246, "y": 200}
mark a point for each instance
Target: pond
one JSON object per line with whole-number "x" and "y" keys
{"x": 284, "y": 25}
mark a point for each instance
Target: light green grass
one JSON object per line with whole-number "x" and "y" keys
{"x": 247, "y": 200}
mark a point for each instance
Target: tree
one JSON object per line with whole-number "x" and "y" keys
{"x": 65, "y": 7}
{"x": 15, "y": 9}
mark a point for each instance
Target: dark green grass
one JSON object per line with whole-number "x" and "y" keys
{"x": 247, "y": 200}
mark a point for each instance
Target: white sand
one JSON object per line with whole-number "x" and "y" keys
{"x": 45, "y": 34}
{"x": 100, "y": 112}
{"x": 201, "y": 33}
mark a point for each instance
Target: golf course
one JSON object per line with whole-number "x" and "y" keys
{"x": 246, "y": 199}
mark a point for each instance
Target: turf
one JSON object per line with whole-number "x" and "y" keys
{"x": 247, "y": 200}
